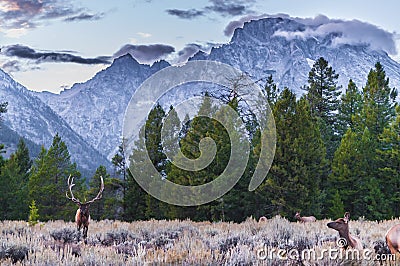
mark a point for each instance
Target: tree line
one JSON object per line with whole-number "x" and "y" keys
{"x": 335, "y": 152}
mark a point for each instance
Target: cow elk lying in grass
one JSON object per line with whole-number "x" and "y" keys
{"x": 342, "y": 226}
{"x": 393, "y": 239}
{"x": 262, "y": 219}
{"x": 82, "y": 217}
{"x": 305, "y": 219}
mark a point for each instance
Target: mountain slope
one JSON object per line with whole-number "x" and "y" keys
{"x": 95, "y": 109}
{"x": 31, "y": 118}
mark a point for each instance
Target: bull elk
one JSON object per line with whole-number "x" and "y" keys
{"x": 305, "y": 219}
{"x": 393, "y": 239}
{"x": 82, "y": 217}
{"x": 342, "y": 226}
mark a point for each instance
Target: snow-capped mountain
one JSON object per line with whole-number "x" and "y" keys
{"x": 92, "y": 112}
{"x": 95, "y": 109}
{"x": 30, "y": 117}
{"x": 262, "y": 48}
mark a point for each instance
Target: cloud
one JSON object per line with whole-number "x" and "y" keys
{"x": 12, "y": 66}
{"x": 146, "y": 53}
{"x": 17, "y": 66}
{"x": 25, "y": 52}
{"x": 185, "y": 14}
{"x": 230, "y": 7}
{"x": 84, "y": 16}
{"x": 221, "y": 7}
{"x": 188, "y": 51}
{"x": 144, "y": 34}
{"x": 230, "y": 28}
{"x": 351, "y": 32}
{"x": 29, "y": 14}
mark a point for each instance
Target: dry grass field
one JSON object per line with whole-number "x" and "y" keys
{"x": 273, "y": 242}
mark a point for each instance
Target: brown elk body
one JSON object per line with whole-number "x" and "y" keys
{"x": 82, "y": 216}
{"x": 305, "y": 219}
{"x": 393, "y": 239}
{"x": 342, "y": 226}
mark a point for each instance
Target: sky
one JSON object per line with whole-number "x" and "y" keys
{"x": 48, "y": 45}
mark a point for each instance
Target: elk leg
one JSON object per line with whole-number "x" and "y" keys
{"x": 85, "y": 229}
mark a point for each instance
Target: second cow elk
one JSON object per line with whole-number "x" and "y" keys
{"x": 393, "y": 239}
{"x": 82, "y": 217}
{"x": 305, "y": 219}
{"x": 342, "y": 226}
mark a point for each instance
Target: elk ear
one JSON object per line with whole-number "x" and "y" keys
{"x": 346, "y": 216}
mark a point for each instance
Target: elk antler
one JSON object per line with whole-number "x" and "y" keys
{"x": 98, "y": 194}
{"x": 70, "y": 185}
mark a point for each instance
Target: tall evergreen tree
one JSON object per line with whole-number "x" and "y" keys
{"x": 323, "y": 95}
{"x": 293, "y": 182}
{"x": 388, "y": 156}
{"x": 271, "y": 90}
{"x": 21, "y": 177}
{"x": 349, "y": 108}
{"x": 379, "y": 101}
{"x": 9, "y": 174}
{"x": 48, "y": 181}
{"x": 119, "y": 163}
{"x": 148, "y": 144}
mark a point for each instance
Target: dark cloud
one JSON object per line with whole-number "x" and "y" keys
{"x": 12, "y": 66}
{"x": 230, "y": 28}
{"x": 230, "y": 7}
{"x": 146, "y": 53}
{"x": 25, "y": 52}
{"x": 185, "y": 14}
{"x": 191, "y": 49}
{"x": 85, "y": 16}
{"x": 28, "y": 14}
{"x": 221, "y": 7}
{"x": 17, "y": 66}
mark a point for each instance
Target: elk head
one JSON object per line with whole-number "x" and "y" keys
{"x": 342, "y": 226}
{"x": 82, "y": 217}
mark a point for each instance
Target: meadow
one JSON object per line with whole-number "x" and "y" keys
{"x": 273, "y": 242}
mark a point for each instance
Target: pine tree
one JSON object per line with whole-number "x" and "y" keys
{"x": 293, "y": 182}
{"x": 135, "y": 196}
{"x": 97, "y": 208}
{"x": 354, "y": 176}
{"x": 389, "y": 159}
{"x": 8, "y": 187}
{"x": 149, "y": 144}
{"x": 350, "y": 107}
{"x": 323, "y": 96}
{"x": 271, "y": 91}
{"x": 200, "y": 127}
{"x": 154, "y": 148}
{"x": 48, "y": 181}
{"x": 379, "y": 101}
{"x": 121, "y": 169}
{"x": 33, "y": 214}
